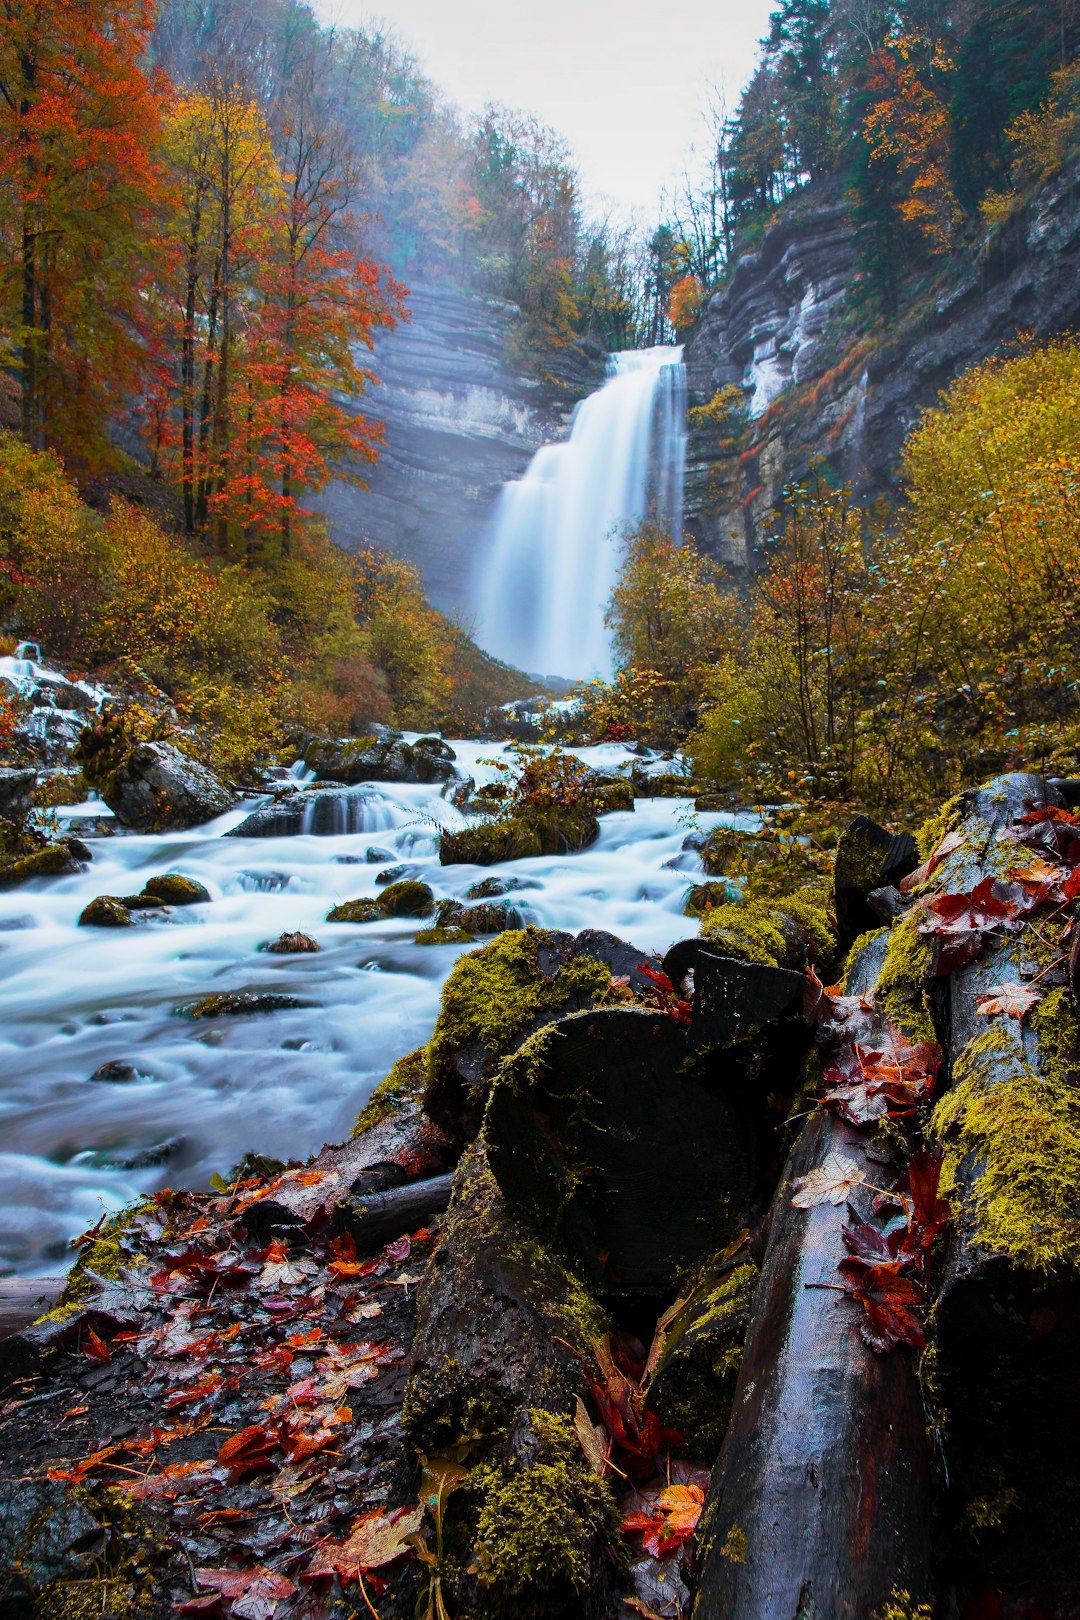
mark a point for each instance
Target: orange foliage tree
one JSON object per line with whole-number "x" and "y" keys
{"x": 908, "y": 124}
{"x": 79, "y": 190}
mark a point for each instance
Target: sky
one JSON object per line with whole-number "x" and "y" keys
{"x": 624, "y": 81}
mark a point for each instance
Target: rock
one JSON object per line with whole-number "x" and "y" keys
{"x": 288, "y": 944}
{"x": 614, "y": 793}
{"x": 157, "y": 789}
{"x": 175, "y": 890}
{"x": 355, "y": 911}
{"x": 105, "y": 912}
{"x": 51, "y": 860}
{"x": 703, "y": 896}
{"x": 52, "y": 691}
{"x": 517, "y": 837}
{"x": 490, "y": 888}
{"x": 142, "y": 902}
{"x": 482, "y": 919}
{"x": 16, "y": 792}
{"x": 315, "y": 812}
{"x": 445, "y": 935}
{"x": 392, "y": 874}
{"x": 230, "y": 1003}
{"x": 370, "y": 759}
{"x": 118, "y": 1073}
{"x": 868, "y": 857}
{"x": 47, "y": 1536}
{"x": 407, "y": 899}
{"x": 375, "y": 856}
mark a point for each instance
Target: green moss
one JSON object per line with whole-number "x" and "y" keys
{"x": 537, "y": 1532}
{"x": 356, "y": 911}
{"x": 1057, "y": 1025}
{"x": 445, "y": 936}
{"x": 933, "y": 830}
{"x": 753, "y": 930}
{"x": 52, "y": 860}
{"x": 88, "y": 1600}
{"x": 176, "y": 890}
{"x": 406, "y": 899}
{"x": 1021, "y": 1132}
{"x": 812, "y": 909}
{"x": 495, "y": 992}
{"x": 903, "y": 986}
{"x": 694, "y": 1384}
{"x": 103, "y": 1256}
{"x": 902, "y": 1606}
{"x": 404, "y": 1084}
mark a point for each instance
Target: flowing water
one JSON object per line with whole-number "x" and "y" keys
{"x": 282, "y": 1083}
{"x": 548, "y": 571}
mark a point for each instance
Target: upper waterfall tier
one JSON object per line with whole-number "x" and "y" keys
{"x": 546, "y": 575}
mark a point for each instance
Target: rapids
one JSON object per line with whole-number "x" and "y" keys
{"x": 280, "y": 1083}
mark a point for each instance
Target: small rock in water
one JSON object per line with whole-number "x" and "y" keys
{"x": 173, "y": 889}
{"x": 392, "y": 874}
{"x": 355, "y": 911}
{"x": 286, "y": 944}
{"x": 227, "y": 1003}
{"x": 445, "y": 936}
{"x": 136, "y": 1158}
{"x": 105, "y": 912}
{"x": 119, "y": 1073}
{"x": 407, "y": 899}
{"x": 490, "y": 888}
{"x": 373, "y": 856}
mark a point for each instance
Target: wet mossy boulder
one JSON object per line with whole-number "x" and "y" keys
{"x": 355, "y": 911}
{"x": 478, "y": 919}
{"x": 493, "y": 998}
{"x": 790, "y": 933}
{"x": 107, "y": 911}
{"x": 380, "y": 759}
{"x": 525, "y": 833}
{"x": 703, "y": 897}
{"x": 491, "y": 888}
{"x": 234, "y": 1003}
{"x": 176, "y": 890}
{"x": 407, "y": 898}
{"x": 612, "y": 793}
{"x": 49, "y": 860}
{"x": 445, "y": 935}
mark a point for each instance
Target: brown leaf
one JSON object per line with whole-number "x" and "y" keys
{"x": 1010, "y": 998}
{"x": 830, "y": 1183}
{"x": 591, "y": 1439}
{"x": 247, "y": 1450}
{"x": 376, "y": 1539}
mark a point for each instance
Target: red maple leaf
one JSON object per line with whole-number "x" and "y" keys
{"x": 889, "y": 1300}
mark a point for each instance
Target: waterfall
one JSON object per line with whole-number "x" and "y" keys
{"x": 553, "y": 556}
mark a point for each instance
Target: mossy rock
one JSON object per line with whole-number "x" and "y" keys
{"x": 491, "y": 888}
{"x": 514, "y": 838}
{"x": 664, "y": 785}
{"x": 403, "y": 1085}
{"x": 480, "y": 919}
{"x": 703, "y": 897}
{"x": 356, "y": 911}
{"x": 294, "y": 944}
{"x": 693, "y": 1385}
{"x": 107, "y": 911}
{"x": 407, "y": 899}
{"x": 176, "y": 890}
{"x": 233, "y": 1003}
{"x": 613, "y": 793}
{"x": 445, "y": 936}
{"x": 52, "y": 860}
{"x": 788, "y": 933}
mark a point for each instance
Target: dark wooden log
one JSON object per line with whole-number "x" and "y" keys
{"x": 503, "y": 1338}
{"x": 24, "y": 1299}
{"x": 402, "y": 1147}
{"x": 868, "y": 857}
{"x": 1007, "y": 1323}
{"x": 733, "y": 999}
{"x": 373, "y": 1221}
{"x": 609, "y": 1129}
{"x": 819, "y": 1503}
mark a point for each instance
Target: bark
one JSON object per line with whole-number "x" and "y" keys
{"x": 24, "y": 1299}
{"x": 868, "y": 857}
{"x": 373, "y": 1221}
{"x": 819, "y": 1504}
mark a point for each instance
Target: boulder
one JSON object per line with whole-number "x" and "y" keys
{"x": 407, "y": 899}
{"x": 292, "y": 944}
{"x": 51, "y": 860}
{"x": 53, "y": 692}
{"x": 516, "y": 837}
{"x": 380, "y": 759}
{"x": 173, "y": 889}
{"x": 355, "y": 911}
{"x": 105, "y": 912}
{"x": 16, "y": 792}
{"x": 156, "y": 788}
{"x": 316, "y": 812}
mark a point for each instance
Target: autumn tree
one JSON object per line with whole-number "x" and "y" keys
{"x": 908, "y": 126}
{"x": 79, "y": 191}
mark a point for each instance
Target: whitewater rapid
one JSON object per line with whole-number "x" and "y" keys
{"x": 280, "y": 1083}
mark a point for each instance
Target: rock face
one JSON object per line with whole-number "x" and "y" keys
{"x": 157, "y": 789}
{"x": 810, "y": 390}
{"x": 463, "y": 416}
{"x": 372, "y": 759}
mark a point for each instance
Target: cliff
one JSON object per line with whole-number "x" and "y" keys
{"x": 464, "y": 411}
{"x": 816, "y": 380}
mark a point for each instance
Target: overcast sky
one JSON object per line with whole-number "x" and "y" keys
{"x": 622, "y": 80}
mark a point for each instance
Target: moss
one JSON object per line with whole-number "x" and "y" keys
{"x": 404, "y": 1084}
{"x": 107, "y": 911}
{"x": 99, "y": 1598}
{"x": 903, "y": 985}
{"x": 812, "y": 909}
{"x": 514, "y": 837}
{"x": 933, "y": 830}
{"x": 355, "y": 911}
{"x": 495, "y": 992}
{"x": 1019, "y": 1131}
{"x": 103, "y": 1256}
{"x": 1057, "y": 1025}
{"x": 445, "y": 936}
{"x": 694, "y": 1383}
{"x": 748, "y": 932}
{"x": 52, "y": 860}
{"x": 902, "y": 1606}
{"x": 705, "y": 897}
{"x": 536, "y": 1533}
{"x": 176, "y": 890}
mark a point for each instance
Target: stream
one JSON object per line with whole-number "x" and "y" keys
{"x": 280, "y": 1083}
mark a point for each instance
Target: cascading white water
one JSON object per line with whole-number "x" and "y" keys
{"x": 554, "y": 553}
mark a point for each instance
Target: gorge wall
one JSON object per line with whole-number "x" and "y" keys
{"x": 807, "y": 380}
{"x": 464, "y": 412}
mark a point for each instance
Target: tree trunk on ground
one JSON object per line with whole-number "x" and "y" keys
{"x": 819, "y": 1504}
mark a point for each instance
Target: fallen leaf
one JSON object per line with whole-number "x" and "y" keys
{"x": 95, "y": 1347}
{"x": 1010, "y": 998}
{"x": 399, "y": 1249}
{"x": 952, "y": 841}
{"x": 830, "y": 1183}
{"x": 248, "y": 1450}
{"x": 375, "y": 1540}
{"x": 591, "y": 1439}
{"x": 888, "y": 1298}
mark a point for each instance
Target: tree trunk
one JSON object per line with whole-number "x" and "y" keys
{"x": 819, "y": 1504}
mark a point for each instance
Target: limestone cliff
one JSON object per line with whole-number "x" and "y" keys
{"x": 808, "y": 377}
{"x": 464, "y": 411}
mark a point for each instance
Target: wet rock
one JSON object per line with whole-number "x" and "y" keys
{"x": 490, "y": 888}
{"x": 356, "y": 911}
{"x": 317, "y": 812}
{"x": 445, "y": 935}
{"x": 46, "y": 1536}
{"x": 613, "y": 793}
{"x": 407, "y": 899}
{"x": 393, "y": 874}
{"x": 51, "y": 860}
{"x": 105, "y": 912}
{"x": 176, "y": 890}
{"x": 16, "y": 792}
{"x": 289, "y": 944}
{"x": 373, "y": 855}
{"x": 373, "y": 759}
{"x": 53, "y": 692}
{"x": 481, "y": 919}
{"x": 117, "y": 1072}
{"x": 142, "y": 902}
{"x": 231, "y": 1003}
{"x": 157, "y": 788}
{"x": 517, "y": 837}
{"x": 703, "y": 896}
{"x": 144, "y": 1158}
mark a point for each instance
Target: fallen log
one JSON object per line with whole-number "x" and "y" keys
{"x": 819, "y": 1503}
{"x": 868, "y": 857}
{"x": 606, "y": 1128}
{"x": 1007, "y": 1323}
{"x": 371, "y": 1221}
